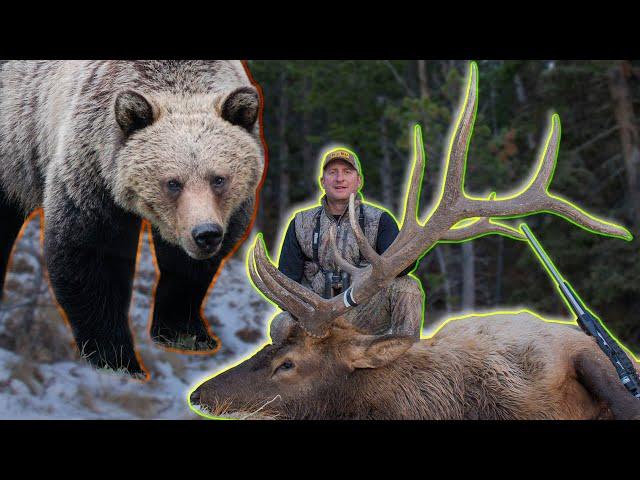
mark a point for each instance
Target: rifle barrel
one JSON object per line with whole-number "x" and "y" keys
{"x": 541, "y": 253}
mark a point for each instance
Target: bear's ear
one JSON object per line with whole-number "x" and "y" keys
{"x": 240, "y": 107}
{"x": 133, "y": 111}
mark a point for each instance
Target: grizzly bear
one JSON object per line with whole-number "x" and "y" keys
{"x": 101, "y": 145}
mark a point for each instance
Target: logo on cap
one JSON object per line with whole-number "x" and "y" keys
{"x": 341, "y": 154}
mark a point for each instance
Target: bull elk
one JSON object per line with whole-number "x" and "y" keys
{"x": 504, "y": 366}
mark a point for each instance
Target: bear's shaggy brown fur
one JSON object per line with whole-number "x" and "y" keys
{"x": 101, "y": 145}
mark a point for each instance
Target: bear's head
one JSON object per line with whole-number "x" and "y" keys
{"x": 188, "y": 162}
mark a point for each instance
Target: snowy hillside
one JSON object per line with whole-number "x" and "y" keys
{"x": 42, "y": 376}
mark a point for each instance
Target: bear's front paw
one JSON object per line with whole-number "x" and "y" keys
{"x": 115, "y": 358}
{"x": 192, "y": 337}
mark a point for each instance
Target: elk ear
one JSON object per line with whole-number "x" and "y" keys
{"x": 133, "y": 111}
{"x": 377, "y": 351}
{"x": 240, "y": 107}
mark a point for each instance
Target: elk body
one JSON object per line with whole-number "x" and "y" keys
{"x": 495, "y": 367}
{"x": 501, "y": 367}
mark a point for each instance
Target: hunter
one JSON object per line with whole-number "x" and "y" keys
{"x": 306, "y": 256}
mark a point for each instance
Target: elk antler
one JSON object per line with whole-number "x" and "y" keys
{"x": 312, "y": 311}
{"x": 455, "y": 217}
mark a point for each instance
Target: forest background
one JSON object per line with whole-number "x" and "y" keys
{"x": 370, "y": 107}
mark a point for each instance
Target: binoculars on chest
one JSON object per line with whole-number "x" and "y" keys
{"x": 335, "y": 283}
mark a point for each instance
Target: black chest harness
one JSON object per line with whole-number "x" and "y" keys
{"x": 335, "y": 281}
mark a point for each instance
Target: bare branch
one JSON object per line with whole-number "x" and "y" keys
{"x": 399, "y": 79}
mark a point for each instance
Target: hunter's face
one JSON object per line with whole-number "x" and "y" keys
{"x": 340, "y": 180}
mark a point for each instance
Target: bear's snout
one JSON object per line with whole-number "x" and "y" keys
{"x": 207, "y": 236}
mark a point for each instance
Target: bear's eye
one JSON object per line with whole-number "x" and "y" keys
{"x": 218, "y": 182}
{"x": 174, "y": 186}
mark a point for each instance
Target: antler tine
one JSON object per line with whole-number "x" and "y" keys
{"x": 412, "y": 199}
{"x": 313, "y": 313}
{"x": 535, "y": 197}
{"x": 275, "y": 278}
{"x": 544, "y": 174}
{"x": 410, "y": 223}
{"x": 295, "y": 308}
{"x": 483, "y": 226}
{"x": 258, "y": 283}
{"x": 477, "y": 227}
{"x": 274, "y": 291}
{"x": 452, "y": 188}
{"x": 342, "y": 263}
{"x": 363, "y": 244}
{"x": 413, "y": 239}
{"x": 414, "y": 236}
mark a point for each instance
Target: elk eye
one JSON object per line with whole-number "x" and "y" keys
{"x": 286, "y": 365}
{"x": 218, "y": 182}
{"x": 174, "y": 186}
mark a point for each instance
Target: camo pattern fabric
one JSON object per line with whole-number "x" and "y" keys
{"x": 346, "y": 240}
{"x": 395, "y": 310}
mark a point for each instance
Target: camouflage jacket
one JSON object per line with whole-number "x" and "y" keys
{"x": 296, "y": 256}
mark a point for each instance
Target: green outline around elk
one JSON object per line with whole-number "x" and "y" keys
{"x": 507, "y": 230}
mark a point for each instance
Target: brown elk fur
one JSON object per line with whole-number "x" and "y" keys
{"x": 503, "y": 366}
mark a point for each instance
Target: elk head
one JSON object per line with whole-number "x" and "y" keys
{"x": 317, "y": 358}
{"x": 300, "y": 376}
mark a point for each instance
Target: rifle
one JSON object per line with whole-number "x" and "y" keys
{"x": 589, "y": 323}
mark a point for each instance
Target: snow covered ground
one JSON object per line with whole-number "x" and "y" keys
{"x": 42, "y": 376}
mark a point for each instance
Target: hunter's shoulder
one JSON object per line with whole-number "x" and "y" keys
{"x": 303, "y": 218}
{"x": 306, "y": 213}
{"x": 375, "y": 210}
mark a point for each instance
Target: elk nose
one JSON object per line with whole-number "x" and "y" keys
{"x": 207, "y": 236}
{"x": 195, "y": 397}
